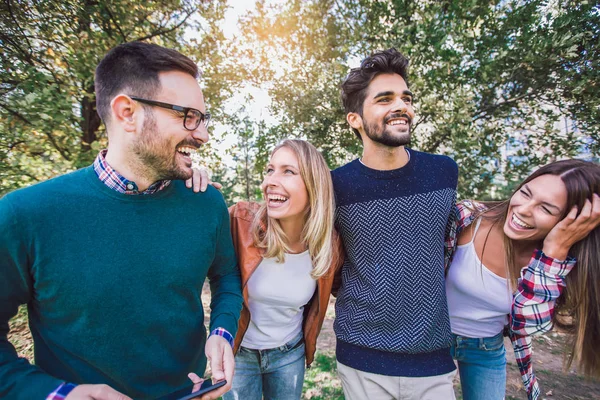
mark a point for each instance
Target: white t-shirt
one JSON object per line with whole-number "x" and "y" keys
{"x": 479, "y": 301}
{"x": 277, "y": 294}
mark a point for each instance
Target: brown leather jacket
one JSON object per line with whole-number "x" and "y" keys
{"x": 249, "y": 257}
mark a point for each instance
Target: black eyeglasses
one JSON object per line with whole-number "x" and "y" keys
{"x": 191, "y": 116}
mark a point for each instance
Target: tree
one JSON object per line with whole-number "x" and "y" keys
{"x": 487, "y": 76}
{"x": 48, "y": 118}
{"x": 242, "y": 181}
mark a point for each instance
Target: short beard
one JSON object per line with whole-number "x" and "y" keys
{"x": 384, "y": 137}
{"x": 156, "y": 163}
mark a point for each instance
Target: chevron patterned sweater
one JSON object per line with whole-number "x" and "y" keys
{"x": 391, "y": 311}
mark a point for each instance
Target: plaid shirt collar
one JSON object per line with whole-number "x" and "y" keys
{"x": 118, "y": 182}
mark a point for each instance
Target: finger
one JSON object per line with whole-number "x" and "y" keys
{"x": 197, "y": 179}
{"x": 571, "y": 216}
{"x": 217, "y": 393}
{"x": 596, "y": 208}
{"x": 196, "y": 380}
{"x": 586, "y": 211}
{"x": 218, "y": 186}
{"x": 228, "y": 367}
{"x": 216, "y": 361}
{"x": 188, "y": 182}
{"x": 228, "y": 364}
{"x": 105, "y": 392}
{"x": 203, "y": 180}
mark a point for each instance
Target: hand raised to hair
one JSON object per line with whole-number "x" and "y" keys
{"x": 572, "y": 229}
{"x": 200, "y": 180}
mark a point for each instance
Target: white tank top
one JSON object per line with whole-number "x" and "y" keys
{"x": 277, "y": 294}
{"x": 478, "y": 299}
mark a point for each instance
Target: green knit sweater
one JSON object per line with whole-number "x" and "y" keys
{"x": 113, "y": 284}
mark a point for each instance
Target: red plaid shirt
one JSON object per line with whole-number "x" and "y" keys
{"x": 118, "y": 182}
{"x": 540, "y": 285}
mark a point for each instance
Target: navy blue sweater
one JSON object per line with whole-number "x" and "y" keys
{"x": 391, "y": 312}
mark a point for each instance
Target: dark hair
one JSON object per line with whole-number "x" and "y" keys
{"x": 134, "y": 67}
{"x": 354, "y": 87}
{"x": 577, "y": 310}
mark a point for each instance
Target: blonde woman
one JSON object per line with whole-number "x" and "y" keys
{"x": 287, "y": 253}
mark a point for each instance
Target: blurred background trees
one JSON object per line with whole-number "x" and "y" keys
{"x": 501, "y": 86}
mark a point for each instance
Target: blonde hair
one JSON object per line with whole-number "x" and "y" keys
{"x": 317, "y": 232}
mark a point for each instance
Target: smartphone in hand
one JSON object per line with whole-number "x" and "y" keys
{"x": 187, "y": 392}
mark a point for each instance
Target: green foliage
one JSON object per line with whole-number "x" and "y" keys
{"x": 493, "y": 79}
{"x": 48, "y": 120}
{"x": 501, "y": 86}
{"x": 244, "y": 181}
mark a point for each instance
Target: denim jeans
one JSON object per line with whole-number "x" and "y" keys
{"x": 481, "y": 365}
{"x": 276, "y": 374}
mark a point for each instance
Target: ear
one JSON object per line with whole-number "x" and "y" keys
{"x": 354, "y": 120}
{"x": 125, "y": 112}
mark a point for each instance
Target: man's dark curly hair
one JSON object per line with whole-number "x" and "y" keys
{"x": 354, "y": 87}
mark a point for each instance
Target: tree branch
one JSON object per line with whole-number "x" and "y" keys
{"x": 162, "y": 32}
{"x": 485, "y": 111}
{"x": 65, "y": 154}
{"x": 16, "y": 114}
{"x": 12, "y": 15}
{"x": 62, "y": 152}
{"x": 440, "y": 139}
{"x": 114, "y": 20}
{"x": 13, "y": 145}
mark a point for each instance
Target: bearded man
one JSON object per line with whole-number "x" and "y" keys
{"x": 394, "y": 210}
{"x": 111, "y": 259}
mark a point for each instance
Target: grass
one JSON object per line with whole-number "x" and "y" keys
{"x": 321, "y": 381}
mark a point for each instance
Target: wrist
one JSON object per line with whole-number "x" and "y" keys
{"x": 555, "y": 251}
{"x": 61, "y": 392}
{"x": 224, "y": 334}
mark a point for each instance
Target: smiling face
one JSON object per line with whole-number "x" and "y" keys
{"x": 163, "y": 144}
{"x": 284, "y": 189}
{"x": 388, "y": 111}
{"x": 536, "y": 208}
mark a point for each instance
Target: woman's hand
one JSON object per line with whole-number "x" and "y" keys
{"x": 200, "y": 180}
{"x": 572, "y": 229}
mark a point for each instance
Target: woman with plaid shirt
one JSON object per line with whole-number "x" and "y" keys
{"x": 510, "y": 266}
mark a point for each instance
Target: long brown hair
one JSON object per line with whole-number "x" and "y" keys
{"x": 317, "y": 233}
{"x": 578, "y": 308}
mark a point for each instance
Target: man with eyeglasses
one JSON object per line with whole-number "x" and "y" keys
{"x": 111, "y": 259}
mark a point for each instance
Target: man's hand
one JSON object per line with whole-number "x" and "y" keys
{"x": 572, "y": 229}
{"x": 95, "y": 392}
{"x": 222, "y": 364}
{"x": 200, "y": 180}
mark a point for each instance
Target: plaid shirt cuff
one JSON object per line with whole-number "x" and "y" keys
{"x": 223, "y": 333}
{"x": 553, "y": 266}
{"x": 61, "y": 392}
{"x": 540, "y": 285}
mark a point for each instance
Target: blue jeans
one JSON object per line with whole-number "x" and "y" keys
{"x": 481, "y": 365}
{"x": 276, "y": 374}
